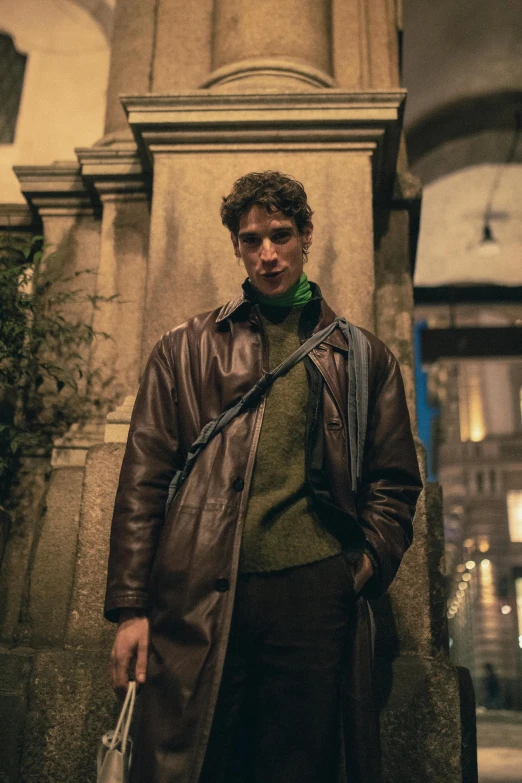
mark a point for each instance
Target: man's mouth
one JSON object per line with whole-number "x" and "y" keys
{"x": 272, "y": 275}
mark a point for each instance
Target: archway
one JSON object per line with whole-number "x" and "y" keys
{"x": 63, "y": 98}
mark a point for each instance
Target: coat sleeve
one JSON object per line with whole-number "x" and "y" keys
{"x": 391, "y": 480}
{"x": 151, "y": 457}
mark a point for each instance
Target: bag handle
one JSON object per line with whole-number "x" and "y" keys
{"x": 125, "y": 719}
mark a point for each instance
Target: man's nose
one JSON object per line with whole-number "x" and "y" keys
{"x": 268, "y": 250}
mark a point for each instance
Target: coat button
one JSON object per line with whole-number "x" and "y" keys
{"x": 222, "y": 585}
{"x": 238, "y": 484}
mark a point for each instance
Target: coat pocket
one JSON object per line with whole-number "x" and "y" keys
{"x": 347, "y": 558}
{"x": 193, "y": 557}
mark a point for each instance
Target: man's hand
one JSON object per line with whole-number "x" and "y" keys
{"x": 363, "y": 572}
{"x": 131, "y": 643}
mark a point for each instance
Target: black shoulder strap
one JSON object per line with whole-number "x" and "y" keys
{"x": 250, "y": 399}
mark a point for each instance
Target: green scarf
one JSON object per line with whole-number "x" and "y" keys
{"x": 299, "y": 294}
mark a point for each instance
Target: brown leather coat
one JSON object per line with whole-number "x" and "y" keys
{"x": 183, "y": 570}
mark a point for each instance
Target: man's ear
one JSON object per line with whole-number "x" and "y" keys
{"x": 235, "y": 243}
{"x": 306, "y": 235}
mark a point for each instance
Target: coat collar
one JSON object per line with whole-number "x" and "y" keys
{"x": 317, "y": 312}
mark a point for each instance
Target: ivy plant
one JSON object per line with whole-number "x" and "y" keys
{"x": 45, "y": 380}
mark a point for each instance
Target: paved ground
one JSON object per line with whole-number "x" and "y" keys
{"x": 499, "y": 735}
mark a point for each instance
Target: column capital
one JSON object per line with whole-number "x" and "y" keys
{"x": 55, "y": 190}
{"x": 331, "y": 120}
{"x": 114, "y": 172}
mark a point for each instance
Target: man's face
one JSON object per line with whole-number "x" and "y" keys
{"x": 271, "y": 248}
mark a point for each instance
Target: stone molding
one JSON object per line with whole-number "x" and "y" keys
{"x": 118, "y": 421}
{"x": 70, "y": 451}
{"x": 367, "y": 122}
{"x": 55, "y": 190}
{"x": 17, "y": 217}
{"x": 300, "y": 74}
{"x": 114, "y": 172}
{"x": 77, "y": 188}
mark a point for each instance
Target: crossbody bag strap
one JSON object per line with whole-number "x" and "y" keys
{"x": 358, "y": 394}
{"x": 249, "y": 400}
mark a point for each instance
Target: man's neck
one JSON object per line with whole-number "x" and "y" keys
{"x": 297, "y": 295}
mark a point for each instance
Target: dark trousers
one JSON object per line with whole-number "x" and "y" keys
{"x": 277, "y": 718}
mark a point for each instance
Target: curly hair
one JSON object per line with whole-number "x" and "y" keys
{"x": 274, "y": 191}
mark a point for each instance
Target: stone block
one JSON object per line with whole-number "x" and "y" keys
{"x": 5, "y": 526}
{"x": 70, "y": 706}
{"x": 411, "y": 617}
{"x": 53, "y": 567}
{"x": 423, "y": 733}
{"x": 87, "y": 628}
{"x": 188, "y": 275}
{"x": 122, "y": 275}
{"x": 29, "y": 499}
{"x": 15, "y": 670}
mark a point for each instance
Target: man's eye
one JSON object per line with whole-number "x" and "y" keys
{"x": 282, "y": 236}
{"x": 249, "y": 240}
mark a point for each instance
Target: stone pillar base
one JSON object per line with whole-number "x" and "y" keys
{"x": 55, "y": 704}
{"x": 70, "y": 705}
{"x": 428, "y": 722}
{"x": 15, "y": 674}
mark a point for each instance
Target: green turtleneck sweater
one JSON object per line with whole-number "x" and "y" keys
{"x": 281, "y": 528}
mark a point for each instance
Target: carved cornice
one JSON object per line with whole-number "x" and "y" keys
{"x": 332, "y": 120}
{"x": 57, "y": 189}
{"x": 19, "y": 218}
{"x": 114, "y": 171}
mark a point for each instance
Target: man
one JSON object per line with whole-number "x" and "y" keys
{"x": 245, "y": 607}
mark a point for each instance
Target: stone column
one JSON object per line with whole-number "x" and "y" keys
{"x": 132, "y": 52}
{"x": 70, "y": 702}
{"x": 53, "y": 565}
{"x": 183, "y": 46}
{"x": 287, "y": 42}
{"x": 71, "y": 231}
{"x": 365, "y": 44}
{"x": 39, "y": 561}
{"x": 70, "y": 221}
{"x": 115, "y": 174}
{"x": 427, "y": 717}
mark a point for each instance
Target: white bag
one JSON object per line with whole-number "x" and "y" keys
{"x": 115, "y": 751}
